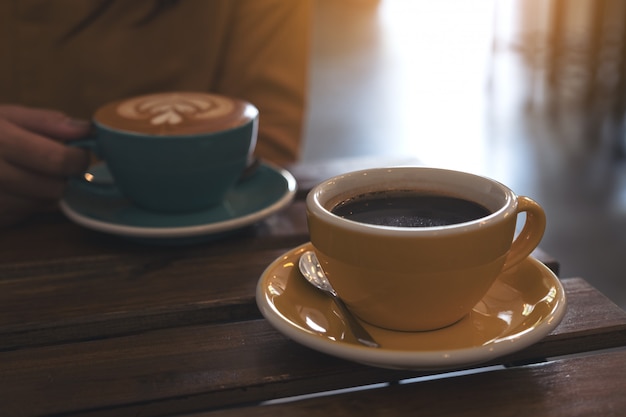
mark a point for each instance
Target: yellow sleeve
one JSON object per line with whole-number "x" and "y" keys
{"x": 265, "y": 61}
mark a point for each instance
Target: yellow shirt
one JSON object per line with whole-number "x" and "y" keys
{"x": 75, "y": 55}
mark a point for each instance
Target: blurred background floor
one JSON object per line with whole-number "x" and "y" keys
{"x": 462, "y": 85}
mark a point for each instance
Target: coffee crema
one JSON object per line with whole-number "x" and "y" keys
{"x": 409, "y": 209}
{"x": 176, "y": 113}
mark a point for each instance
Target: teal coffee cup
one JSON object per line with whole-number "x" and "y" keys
{"x": 174, "y": 151}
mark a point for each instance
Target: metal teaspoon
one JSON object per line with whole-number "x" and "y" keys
{"x": 311, "y": 269}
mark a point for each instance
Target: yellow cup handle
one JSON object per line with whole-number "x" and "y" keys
{"x": 531, "y": 234}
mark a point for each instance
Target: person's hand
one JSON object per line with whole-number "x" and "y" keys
{"x": 34, "y": 161}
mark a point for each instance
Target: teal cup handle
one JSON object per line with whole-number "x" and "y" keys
{"x": 88, "y": 143}
{"x": 103, "y": 185}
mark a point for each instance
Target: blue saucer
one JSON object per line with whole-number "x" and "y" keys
{"x": 268, "y": 190}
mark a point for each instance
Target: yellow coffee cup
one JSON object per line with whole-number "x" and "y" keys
{"x": 416, "y": 248}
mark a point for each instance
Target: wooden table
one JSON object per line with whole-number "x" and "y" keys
{"x": 95, "y": 325}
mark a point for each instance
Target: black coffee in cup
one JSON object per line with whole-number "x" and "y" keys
{"x": 399, "y": 208}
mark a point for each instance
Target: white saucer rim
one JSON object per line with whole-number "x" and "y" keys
{"x": 187, "y": 231}
{"x": 412, "y": 359}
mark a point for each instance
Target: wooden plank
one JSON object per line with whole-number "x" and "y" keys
{"x": 107, "y": 295}
{"x": 50, "y": 237}
{"x": 210, "y": 366}
{"x": 583, "y": 386}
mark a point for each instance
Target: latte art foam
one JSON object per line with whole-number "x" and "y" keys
{"x": 176, "y": 113}
{"x": 175, "y": 108}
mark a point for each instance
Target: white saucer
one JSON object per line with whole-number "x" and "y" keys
{"x": 523, "y": 306}
{"x": 267, "y": 191}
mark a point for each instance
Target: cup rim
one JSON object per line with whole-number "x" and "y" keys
{"x": 152, "y": 136}
{"x": 247, "y": 113}
{"x": 315, "y": 203}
